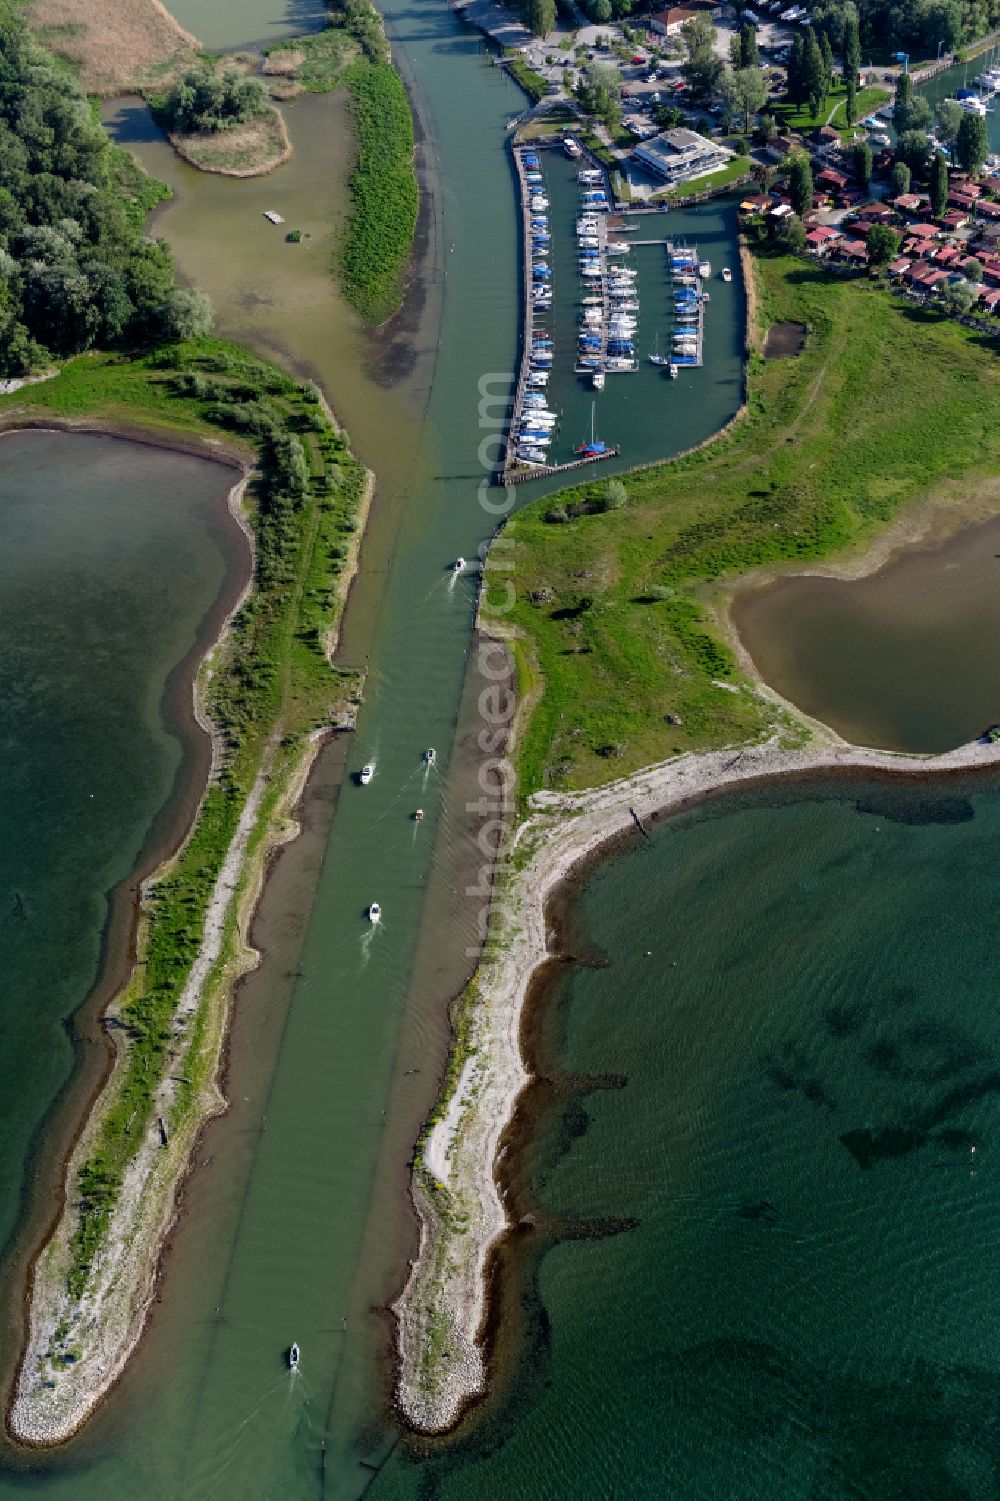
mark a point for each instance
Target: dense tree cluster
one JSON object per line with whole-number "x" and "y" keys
{"x": 212, "y": 99}
{"x": 75, "y": 268}
{"x": 904, "y": 25}
{"x": 598, "y": 93}
{"x": 702, "y": 66}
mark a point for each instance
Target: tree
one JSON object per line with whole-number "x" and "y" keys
{"x": 212, "y": 99}
{"x": 958, "y": 297}
{"x": 816, "y": 74}
{"x": 939, "y": 184}
{"x": 851, "y": 102}
{"x": 861, "y": 161}
{"x": 540, "y": 16}
{"x": 902, "y": 102}
{"x": 972, "y": 143}
{"x": 702, "y": 67}
{"x": 749, "y": 56}
{"x": 945, "y": 25}
{"x": 187, "y": 314}
{"x": 852, "y": 46}
{"x": 795, "y": 85}
{"x": 973, "y": 270}
{"x": 743, "y": 94}
{"x": 791, "y": 234}
{"x": 826, "y": 52}
{"x": 912, "y": 148}
{"x": 949, "y": 115}
{"x": 882, "y": 245}
{"x": 766, "y": 129}
{"x": 900, "y": 179}
{"x": 800, "y": 183}
{"x": 599, "y": 93}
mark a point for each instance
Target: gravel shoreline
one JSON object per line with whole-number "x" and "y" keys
{"x": 441, "y": 1311}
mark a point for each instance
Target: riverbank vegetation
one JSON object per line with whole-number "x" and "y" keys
{"x": 383, "y": 218}
{"x": 76, "y": 268}
{"x": 271, "y": 684}
{"x": 310, "y": 64}
{"x": 885, "y": 404}
{"x": 220, "y": 119}
{"x": 113, "y": 48}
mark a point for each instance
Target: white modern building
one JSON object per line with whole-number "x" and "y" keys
{"x": 679, "y": 155}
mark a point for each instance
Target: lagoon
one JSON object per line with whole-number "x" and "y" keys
{"x": 118, "y": 561}
{"x": 896, "y": 659}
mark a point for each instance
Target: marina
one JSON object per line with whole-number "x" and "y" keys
{"x": 589, "y": 267}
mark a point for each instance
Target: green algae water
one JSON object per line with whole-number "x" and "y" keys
{"x": 117, "y": 561}
{"x": 761, "y": 1172}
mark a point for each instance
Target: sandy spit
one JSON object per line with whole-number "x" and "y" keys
{"x": 76, "y": 1349}
{"x": 440, "y": 1314}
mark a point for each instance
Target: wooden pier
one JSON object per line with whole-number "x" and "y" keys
{"x": 524, "y": 473}
{"x": 512, "y": 471}
{"x": 697, "y": 361}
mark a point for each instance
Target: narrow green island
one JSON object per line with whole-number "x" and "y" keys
{"x": 93, "y": 306}
{"x": 633, "y": 696}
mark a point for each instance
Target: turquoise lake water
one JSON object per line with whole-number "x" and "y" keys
{"x": 113, "y": 556}
{"x": 763, "y": 1262}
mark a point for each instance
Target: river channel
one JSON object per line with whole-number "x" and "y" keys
{"x": 296, "y": 1222}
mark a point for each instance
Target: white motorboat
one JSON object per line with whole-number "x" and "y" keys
{"x": 374, "y": 916}
{"x": 727, "y": 274}
{"x": 597, "y": 380}
{"x": 458, "y": 566}
{"x": 275, "y": 218}
{"x": 293, "y": 1356}
{"x": 571, "y": 147}
{"x": 366, "y": 773}
{"x": 704, "y": 269}
{"x": 672, "y": 370}
{"x": 656, "y": 358}
{"x": 430, "y": 756}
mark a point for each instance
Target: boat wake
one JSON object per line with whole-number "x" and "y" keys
{"x": 231, "y": 1442}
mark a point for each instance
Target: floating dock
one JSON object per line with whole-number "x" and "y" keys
{"x": 685, "y": 361}
{"x": 513, "y": 471}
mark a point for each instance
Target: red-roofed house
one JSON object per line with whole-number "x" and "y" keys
{"x": 669, "y": 22}
{"x": 955, "y": 219}
{"x": 934, "y": 280}
{"x": 875, "y": 213}
{"x": 987, "y": 209}
{"x": 991, "y": 272}
{"x": 853, "y": 250}
{"x": 990, "y": 298}
{"x": 922, "y": 231}
{"x": 897, "y": 267}
{"x": 822, "y": 239}
{"x": 909, "y": 202}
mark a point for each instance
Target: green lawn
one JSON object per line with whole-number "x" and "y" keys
{"x": 868, "y": 101}
{"x": 738, "y": 167}
{"x": 884, "y": 403}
